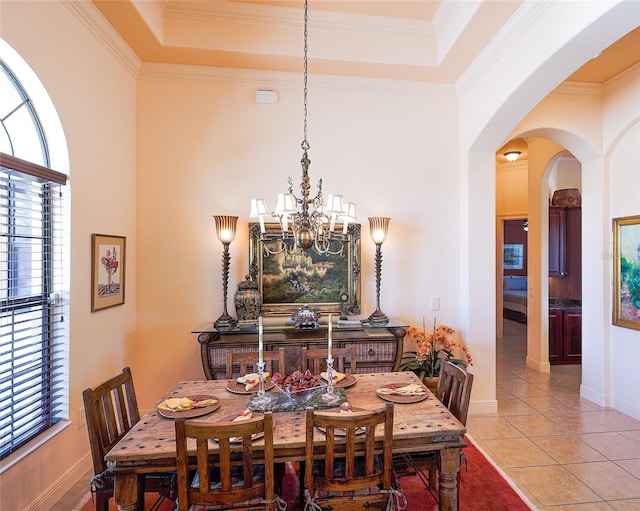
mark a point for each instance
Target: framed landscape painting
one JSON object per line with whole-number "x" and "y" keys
{"x": 626, "y": 272}
{"x": 326, "y": 283}
{"x": 108, "y": 255}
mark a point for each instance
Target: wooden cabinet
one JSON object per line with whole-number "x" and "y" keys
{"x": 565, "y": 336}
{"x": 557, "y": 241}
{"x": 565, "y": 243}
{"x": 378, "y": 349}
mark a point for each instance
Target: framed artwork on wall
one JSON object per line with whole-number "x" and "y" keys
{"x": 108, "y": 257}
{"x": 513, "y": 256}
{"x": 326, "y": 283}
{"x": 626, "y": 272}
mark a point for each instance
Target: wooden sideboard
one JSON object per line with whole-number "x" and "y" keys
{"x": 378, "y": 349}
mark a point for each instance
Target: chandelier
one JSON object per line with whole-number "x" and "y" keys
{"x": 306, "y": 222}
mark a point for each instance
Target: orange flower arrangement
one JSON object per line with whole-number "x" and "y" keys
{"x": 433, "y": 349}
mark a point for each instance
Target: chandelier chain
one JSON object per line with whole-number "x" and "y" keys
{"x": 305, "y": 143}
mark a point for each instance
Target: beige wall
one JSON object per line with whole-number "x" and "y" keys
{"x": 511, "y": 189}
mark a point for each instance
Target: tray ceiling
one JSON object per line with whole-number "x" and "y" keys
{"x": 369, "y": 38}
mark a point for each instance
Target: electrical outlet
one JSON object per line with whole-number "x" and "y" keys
{"x": 82, "y": 420}
{"x": 435, "y": 303}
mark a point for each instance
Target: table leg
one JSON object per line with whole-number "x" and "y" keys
{"x": 128, "y": 493}
{"x": 449, "y": 468}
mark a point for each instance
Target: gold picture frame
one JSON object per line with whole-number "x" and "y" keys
{"x": 337, "y": 291}
{"x": 108, "y": 263}
{"x": 626, "y": 272}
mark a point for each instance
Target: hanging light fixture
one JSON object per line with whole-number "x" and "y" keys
{"x": 512, "y": 155}
{"x": 306, "y": 222}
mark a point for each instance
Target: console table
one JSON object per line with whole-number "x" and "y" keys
{"x": 378, "y": 348}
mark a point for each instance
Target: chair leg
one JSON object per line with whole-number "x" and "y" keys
{"x": 279, "y": 472}
{"x": 302, "y": 465}
{"x": 102, "y": 500}
{"x": 432, "y": 479}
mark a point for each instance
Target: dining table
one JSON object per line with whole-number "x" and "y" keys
{"x": 421, "y": 423}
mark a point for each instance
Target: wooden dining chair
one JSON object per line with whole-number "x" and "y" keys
{"x": 227, "y": 477}
{"x": 111, "y": 410}
{"x": 245, "y": 359}
{"x": 346, "y": 472}
{"x": 315, "y": 359}
{"x": 454, "y": 390}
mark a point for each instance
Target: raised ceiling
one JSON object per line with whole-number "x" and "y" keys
{"x": 397, "y": 39}
{"x": 407, "y": 39}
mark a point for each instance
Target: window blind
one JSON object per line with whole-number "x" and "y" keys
{"x": 33, "y": 333}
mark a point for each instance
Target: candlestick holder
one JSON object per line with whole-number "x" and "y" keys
{"x": 330, "y": 396}
{"x": 261, "y": 400}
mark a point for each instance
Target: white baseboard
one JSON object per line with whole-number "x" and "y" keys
{"x": 489, "y": 406}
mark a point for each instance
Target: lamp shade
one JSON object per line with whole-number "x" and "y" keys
{"x": 286, "y": 204}
{"x": 258, "y": 208}
{"x": 512, "y": 155}
{"x": 335, "y": 205}
{"x": 378, "y": 228}
{"x": 226, "y": 227}
{"x": 350, "y": 213}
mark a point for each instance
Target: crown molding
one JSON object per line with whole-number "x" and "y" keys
{"x": 97, "y": 25}
{"x": 621, "y": 79}
{"x": 511, "y": 32}
{"x": 275, "y": 79}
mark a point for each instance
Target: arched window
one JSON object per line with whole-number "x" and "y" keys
{"x": 33, "y": 332}
{"x": 21, "y": 134}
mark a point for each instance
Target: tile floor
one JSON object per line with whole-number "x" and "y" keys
{"x": 564, "y": 452}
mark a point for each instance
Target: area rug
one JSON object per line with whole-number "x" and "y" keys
{"x": 482, "y": 488}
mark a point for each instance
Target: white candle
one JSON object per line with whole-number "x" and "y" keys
{"x": 260, "y": 346}
{"x": 330, "y": 341}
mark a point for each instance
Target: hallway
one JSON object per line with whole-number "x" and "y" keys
{"x": 564, "y": 452}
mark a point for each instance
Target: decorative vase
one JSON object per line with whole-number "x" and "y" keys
{"x": 431, "y": 382}
{"x": 247, "y": 300}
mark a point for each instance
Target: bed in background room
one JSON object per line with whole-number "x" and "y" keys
{"x": 514, "y": 298}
